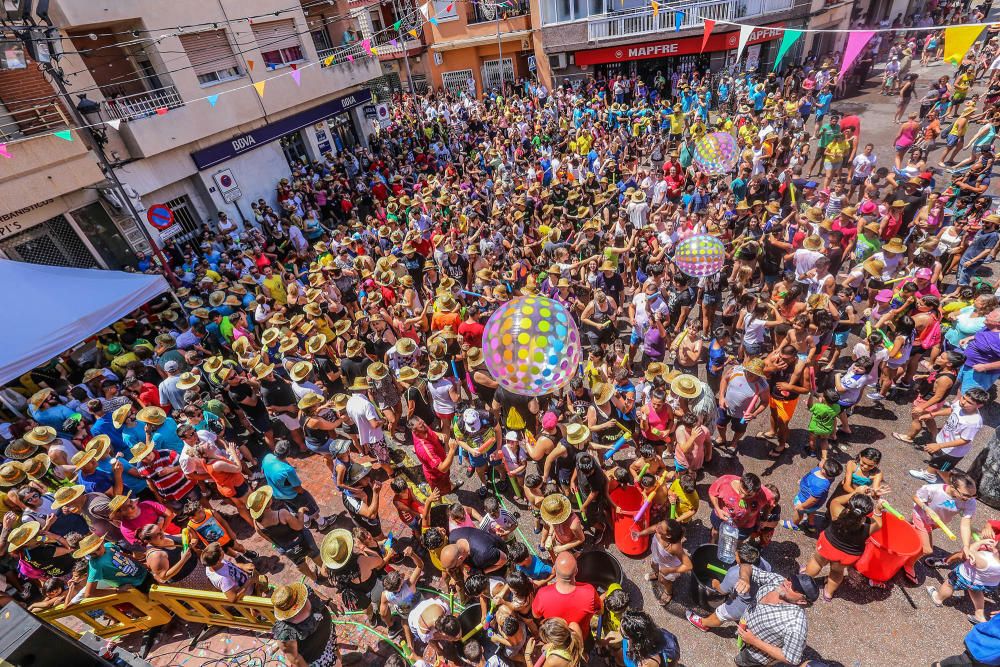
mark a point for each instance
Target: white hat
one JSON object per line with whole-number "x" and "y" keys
{"x": 472, "y": 421}
{"x": 511, "y": 435}
{"x": 207, "y": 436}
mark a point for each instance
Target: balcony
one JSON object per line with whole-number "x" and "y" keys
{"x": 142, "y": 105}
{"x": 25, "y": 122}
{"x": 487, "y": 13}
{"x": 640, "y": 22}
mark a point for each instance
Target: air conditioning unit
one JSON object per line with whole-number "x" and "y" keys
{"x": 557, "y": 60}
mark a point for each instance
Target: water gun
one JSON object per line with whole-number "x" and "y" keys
{"x": 490, "y": 615}
{"x": 940, "y": 524}
{"x": 750, "y": 408}
{"x": 641, "y": 473}
{"x": 579, "y": 504}
{"x": 649, "y": 498}
{"x": 185, "y": 540}
{"x": 616, "y": 447}
{"x": 888, "y": 344}
{"x": 390, "y": 547}
{"x": 893, "y": 511}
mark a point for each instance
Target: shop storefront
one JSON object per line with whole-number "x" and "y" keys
{"x": 683, "y": 54}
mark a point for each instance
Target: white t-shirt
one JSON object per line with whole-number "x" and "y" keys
{"x": 853, "y": 383}
{"x": 362, "y": 411}
{"x": 959, "y": 426}
{"x": 413, "y": 620}
{"x": 805, "y": 260}
{"x": 440, "y": 397}
{"x": 946, "y": 507}
{"x": 864, "y": 165}
{"x": 881, "y": 356}
{"x": 754, "y": 330}
{"x": 228, "y": 577}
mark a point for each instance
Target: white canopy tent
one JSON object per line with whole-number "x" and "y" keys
{"x": 49, "y": 309}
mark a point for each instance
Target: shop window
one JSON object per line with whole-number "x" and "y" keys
{"x": 282, "y": 57}
{"x": 95, "y": 223}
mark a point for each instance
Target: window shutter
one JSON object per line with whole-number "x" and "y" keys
{"x": 209, "y": 51}
{"x": 275, "y": 35}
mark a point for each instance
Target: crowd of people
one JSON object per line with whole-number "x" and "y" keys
{"x": 345, "y": 324}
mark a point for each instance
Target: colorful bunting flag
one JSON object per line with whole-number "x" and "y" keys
{"x": 297, "y": 77}
{"x": 260, "y": 87}
{"x": 374, "y": 51}
{"x": 5, "y": 153}
{"x": 161, "y": 111}
{"x": 327, "y": 61}
{"x": 414, "y": 33}
{"x": 745, "y": 32}
{"x": 294, "y": 66}
{"x": 709, "y": 26}
{"x": 678, "y": 20}
{"x": 115, "y": 123}
{"x": 425, "y": 9}
{"x": 250, "y": 64}
{"x": 656, "y": 8}
{"x": 433, "y": 20}
{"x": 212, "y": 99}
{"x": 788, "y": 38}
{"x": 958, "y": 40}
{"x": 65, "y": 135}
{"x": 856, "y": 41}
{"x": 448, "y": 8}
{"x": 396, "y": 25}
{"x": 366, "y": 44}
{"x": 393, "y": 42}
{"x": 350, "y": 58}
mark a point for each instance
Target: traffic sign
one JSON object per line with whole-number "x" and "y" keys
{"x": 228, "y": 187}
{"x": 160, "y": 216}
{"x": 170, "y": 232}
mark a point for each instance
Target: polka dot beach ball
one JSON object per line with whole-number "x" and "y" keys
{"x": 701, "y": 255}
{"x": 716, "y": 153}
{"x": 532, "y": 345}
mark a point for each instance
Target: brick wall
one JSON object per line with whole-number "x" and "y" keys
{"x": 31, "y": 99}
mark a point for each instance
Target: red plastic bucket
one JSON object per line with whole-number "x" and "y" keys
{"x": 895, "y": 543}
{"x": 626, "y": 501}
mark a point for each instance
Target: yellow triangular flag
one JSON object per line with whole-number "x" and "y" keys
{"x": 414, "y": 33}
{"x": 958, "y": 40}
{"x": 260, "y": 87}
{"x": 327, "y": 61}
{"x": 374, "y": 51}
{"x": 656, "y": 8}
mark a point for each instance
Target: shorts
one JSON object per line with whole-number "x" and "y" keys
{"x": 830, "y": 166}
{"x": 380, "y": 451}
{"x": 952, "y": 140}
{"x": 304, "y": 499}
{"x": 323, "y": 448}
{"x": 857, "y": 180}
{"x": 635, "y": 337}
{"x": 731, "y": 611}
{"x": 784, "y": 409}
{"x": 799, "y": 499}
{"x": 840, "y": 338}
{"x": 902, "y": 149}
{"x": 832, "y": 553}
{"x": 481, "y": 460}
{"x": 710, "y": 298}
{"x": 943, "y": 462}
{"x": 242, "y": 490}
{"x": 745, "y": 533}
{"x": 726, "y": 419}
{"x": 679, "y": 467}
{"x": 305, "y": 549}
{"x": 290, "y": 422}
{"x": 962, "y": 584}
{"x": 753, "y": 349}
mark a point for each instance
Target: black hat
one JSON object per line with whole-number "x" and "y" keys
{"x": 803, "y": 583}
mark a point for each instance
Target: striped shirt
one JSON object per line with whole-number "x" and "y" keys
{"x": 173, "y": 485}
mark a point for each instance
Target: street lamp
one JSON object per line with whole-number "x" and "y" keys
{"x": 91, "y": 112}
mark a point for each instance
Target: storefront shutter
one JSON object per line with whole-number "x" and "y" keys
{"x": 209, "y": 52}
{"x": 275, "y": 35}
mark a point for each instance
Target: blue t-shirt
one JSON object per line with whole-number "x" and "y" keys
{"x": 166, "y": 437}
{"x": 98, "y": 481}
{"x": 281, "y": 476}
{"x": 812, "y": 485}
{"x": 983, "y": 641}
{"x": 537, "y": 569}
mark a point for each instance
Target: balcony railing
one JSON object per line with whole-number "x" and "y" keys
{"x": 141, "y": 105}
{"x": 640, "y": 20}
{"x": 17, "y": 123}
{"x": 487, "y": 12}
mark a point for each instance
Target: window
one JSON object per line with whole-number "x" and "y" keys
{"x": 211, "y": 56}
{"x": 376, "y": 16}
{"x": 278, "y": 42}
{"x": 321, "y": 38}
{"x": 186, "y": 216}
{"x": 445, "y": 10}
{"x": 458, "y": 82}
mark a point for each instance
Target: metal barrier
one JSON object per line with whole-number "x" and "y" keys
{"x": 109, "y": 615}
{"x": 131, "y": 611}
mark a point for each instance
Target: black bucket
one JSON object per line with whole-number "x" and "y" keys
{"x": 470, "y": 618}
{"x": 598, "y": 568}
{"x": 701, "y": 583}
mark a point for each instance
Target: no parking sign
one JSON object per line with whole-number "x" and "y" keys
{"x": 160, "y": 216}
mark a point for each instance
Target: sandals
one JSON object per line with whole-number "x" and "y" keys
{"x": 763, "y": 435}
{"x": 902, "y": 438}
{"x": 911, "y": 577}
{"x": 789, "y": 525}
{"x": 776, "y": 453}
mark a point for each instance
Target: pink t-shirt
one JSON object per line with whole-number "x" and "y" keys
{"x": 149, "y": 512}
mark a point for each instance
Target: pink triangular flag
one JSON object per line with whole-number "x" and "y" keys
{"x": 297, "y": 77}
{"x": 366, "y": 44}
{"x": 856, "y": 42}
{"x": 260, "y": 87}
{"x": 350, "y": 58}
{"x": 5, "y": 153}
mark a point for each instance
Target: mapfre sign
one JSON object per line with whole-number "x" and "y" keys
{"x": 717, "y": 41}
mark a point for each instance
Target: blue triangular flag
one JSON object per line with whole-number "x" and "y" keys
{"x": 212, "y": 99}
{"x": 678, "y": 20}
{"x": 433, "y": 20}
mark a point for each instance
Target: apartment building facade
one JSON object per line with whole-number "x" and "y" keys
{"x": 183, "y": 84}
{"x": 610, "y": 37}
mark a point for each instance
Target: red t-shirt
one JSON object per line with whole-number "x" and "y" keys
{"x": 576, "y": 607}
{"x": 745, "y": 512}
{"x": 472, "y": 332}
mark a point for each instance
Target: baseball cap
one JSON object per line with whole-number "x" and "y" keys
{"x": 171, "y": 366}
{"x": 471, "y": 419}
{"x": 806, "y": 585}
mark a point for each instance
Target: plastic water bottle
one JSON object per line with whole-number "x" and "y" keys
{"x": 728, "y": 536}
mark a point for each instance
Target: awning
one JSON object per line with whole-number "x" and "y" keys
{"x": 49, "y": 309}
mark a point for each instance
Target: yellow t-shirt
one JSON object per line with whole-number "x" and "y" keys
{"x": 275, "y": 286}
{"x": 685, "y": 502}
{"x": 677, "y": 123}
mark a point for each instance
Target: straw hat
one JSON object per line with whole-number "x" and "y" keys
{"x": 436, "y": 370}
{"x": 67, "y": 494}
{"x": 377, "y": 371}
{"x": 754, "y": 366}
{"x": 233, "y": 300}
{"x": 152, "y": 415}
{"x": 188, "y": 381}
{"x": 686, "y": 386}
{"x": 300, "y": 371}
{"x": 814, "y": 214}
{"x": 577, "y": 433}
{"x": 341, "y": 327}
{"x": 261, "y": 371}
{"x": 340, "y": 401}
{"x": 289, "y": 600}
{"x": 80, "y": 459}
{"x": 405, "y": 347}
{"x": 360, "y": 384}
{"x": 11, "y": 474}
{"x": 475, "y": 357}
{"x": 288, "y": 343}
{"x": 337, "y": 548}
{"x": 874, "y": 267}
{"x": 315, "y": 343}
{"x": 407, "y": 374}
{"x": 813, "y": 243}
{"x": 241, "y": 345}
{"x": 40, "y": 435}
{"x": 873, "y": 228}
{"x": 99, "y": 445}
{"x": 259, "y": 501}
{"x": 448, "y": 303}
{"x": 602, "y": 392}
{"x": 555, "y": 509}
{"x": 22, "y": 535}
{"x": 270, "y": 336}
{"x": 773, "y": 207}
{"x": 654, "y": 370}
{"x": 311, "y": 399}
{"x": 37, "y": 465}
{"x": 140, "y": 451}
{"x": 88, "y": 545}
{"x": 895, "y": 246}
{"x": 20, "y": 449}
{"x": 355, "y": 347}
{"x": 216, "y": 298}
{"x": 118, "y": 502}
